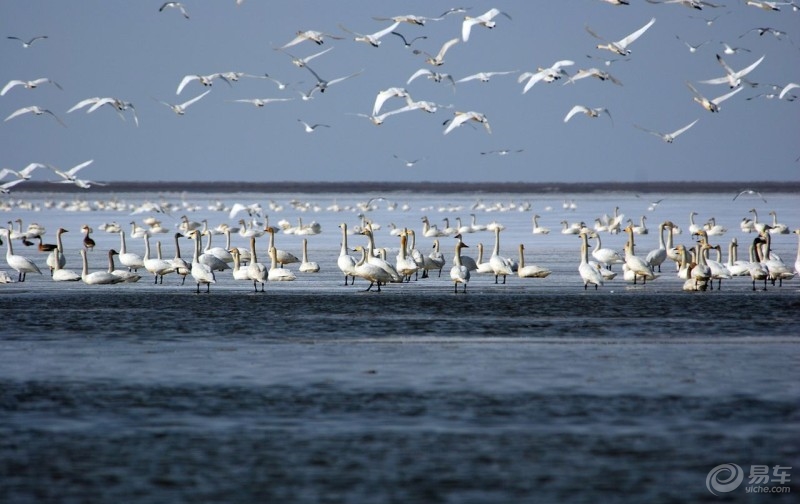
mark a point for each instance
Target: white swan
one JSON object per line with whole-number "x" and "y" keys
{"x": 435, "y": 260}
{"x": 346, "y": 262}
{"x": 718, "y": 270}
{"x": 63, "y": 275}
{"x": 735, "y": 266}
{"x": 200, "y": 272}
{"x": 544, "y": 74}
{"x": 382, "y": 263}
{"x": 56, "y": 257}
{"x": 157, "y": 266}
{"x": 31, "y": 84}
{"x": 209, "y": 259}
{"x": 368, "y": 271}
{"x": 607, "y": 257}
{"x": 373, "y": 39}
{"x": 484, "y": 20}
{"x": 732, "y": 78}
{"x": 35, "y": 110}
{"x": 657, "y": 256}
{"x": 276, "y": 273}
{"x": 589, "y": 273}
{"x": 462, "y": 117}
{"x": 711, "y": 105}
{"x": 180, "y": 109}
{"x": 438, "y": 60}
{"x": 589, "y": 112}
{"x": 537, "y": 229}
{"x": 256, "y": 271}
{"x": 126, "y": 275}
{"x": 777, "y": 227}
{"x": 668, "y": 137}
{"x": 404, "y": 264}
{"x": 459, "y": 273}
{"x": 621, "y": 46}
{"x": 778, "y": 270}
{"x": 283, "y": 257}
{"x": 531, "y": 270}
{"x": 307, "y": 266}
{"x": 483, "y": 266}
{"x": 500, "y": 265}
{"x": 21, "y": 264}
{"x": 635, "y": 264}
{"x": 97, "y": 277}
{"x": 239, "y": 273}
{"x": 131, "y": 260}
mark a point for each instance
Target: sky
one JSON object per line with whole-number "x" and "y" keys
{"x": 132, "y": 51}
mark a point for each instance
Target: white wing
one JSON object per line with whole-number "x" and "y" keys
{"x": 10, "y": 85}
{"x": 678, "y": 132}
{"x": 23, "y": 110}
{"x": 447, "y": 45}
{"x": 83, "y": 103}
{"x": 724, "y": 97}
{"x": 421, "y": 71}
{"x": 575, "y": 110}
{"x": 186, "y": 104}
{"x": 635, "y": 35}
{"x": 187, "y": 79}
{"x": 787, "y": 88}
{"x": 75, "y": 169}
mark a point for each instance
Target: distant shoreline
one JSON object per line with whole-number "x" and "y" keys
{"x": 418, "y": 187}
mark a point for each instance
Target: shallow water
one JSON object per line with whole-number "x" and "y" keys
{"x": 532, "y": 391}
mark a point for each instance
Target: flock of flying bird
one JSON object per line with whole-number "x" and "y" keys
{"x": 734, "y": 77}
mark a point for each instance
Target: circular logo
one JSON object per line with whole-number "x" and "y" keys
{"x": 724, "y": 478}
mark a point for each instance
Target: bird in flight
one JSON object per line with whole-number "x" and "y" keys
{"x": 311, "y": 127}
{"x": 621, "y": 46}
{"x": 28, "y": 43}
{"x": 590, "y": 112}
{"x": 33, "y": 109}
{"x": 31, "y": 84}
{"x": 174, "y": 5}
{"x": 750, "y": 192}
{"x": 180, "y": 109}
{"x": 407, "y": 42}
{"x": 485, "y": 19}
{"x": 668, "y": 137}
{"x": 711, "y": 105}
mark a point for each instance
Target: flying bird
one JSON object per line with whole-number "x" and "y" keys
{"x": 434, "y": 76}
{"x": 301, "y": 62}
{"x": 97, "y": 102}
{"x": 315, "y": 36}
{"x": 174, "y": 5}
{"x": 323, "y": 84}
{"x": 484, "y": 76}
{"x": 484, "y": 19}
{"x": 33, "y": 109}
{"x": 5, "y": 187}
{"x": 377, "y": 120}
{"x": 593, "y": 72}
{"x": 711, "y": 105}
{"x": 750, "y": 192}
{"x": 668, "y": 137}
{"x": 311, "y": 127}
{"x": 392, "y": 92}
{"x": 727, "y": 49}
{"x": 408, "y": 162}
{"x": 205, "y": 80}
{"x": 501, "y": 152}
{"x": 787, "y": 88}
{"x": 590, "y": 112}
{"x": 406, "y": 42}
{"x": 69, "y": 176}
{"x": 548, "y": 74}
{"x": 31, "y": 84}
{"x": 621, "y": 46}
{"x": 181, "y": 108}
{"x": 732, "y": 77}
{"x": 462, "y": 117}
{"x": 260, "y": 102}
{"x": 692, "y": 47}
{"x": 373, "y": 39}
{"x": 24, "y": 174}
{"x": 438, "y": 60}
{"x": 28, "y": 43}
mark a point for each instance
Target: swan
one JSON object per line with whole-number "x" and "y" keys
{"x": 126, "y": 275}
{"x": 157, "y": 266}
{"x": 778, "y": 270}
{"x": 736, "y": 267}
{"x": 797, "y": 260}
{"x": 174, "y": 5}
{"x": 589, "y": 273}
{"x": 718, "y": 270}
{"x": 621, "y": 46}
{"x": 713, "y": 104}
{"x": 435, "y": 260}
{"x": 732, "y": 78}
{"x": 438, "y": 60}
{"x": 416, "y": 255}
{"x": 221, "y": 253}
{"x": 346, "y": 262}
{"x": 180, "y": 109}
{"x": 22, "y": 265}
{"x": 180, "y": 265}
{"x": 35, "y": 110}
{"x": 131, "y": 260}
{"x": 31, "y": 84}
{"x": 323, "y": 84}
{"x": 776, "y": 227}
{"x": 701, "y": 272}
{"x": 758, "y": 271}
{"x": 209, "y": 259}
{"x": 467, "y": 261}
{"x": 500, "y": 265}
{"x": 372, "y": 258}
{"x": 29, "y": 42}
{"x": 278, "y": 273}
{"x": 462, "y": 117}
{"x": 256, "y": 271}
{"x": 430, "y": 230}
{"x": 714, "y": 229}
{"x": 668, "y": 137}
{"x": 307, "y": 266}
{"x": 200, "y": 272}
{"x": 56, "y": 257}
{"x": 573, "y": 229}
{"x": 447, "y": 230}
{"x": 548, "y": 74}
{"x": 484, "y": 76}
{"x": 434, "y": 76}
{"x": 462, "y": 228}
{"x": 537, "y": 229}
{"x": 404, "y": 264}
{"x": 589, "y": 112}
{"x": 635, "y": 264}
{"x": 459, "y": 273}
{"x": 693, "y": 228}
{"x": 97, "y": 277}
{"x": 239, "y": 273}
{"x": 205, "y": 80}
{"x": 314, "y": 36}
{"x": 372, "y": 39}
{"x": 657, "y": 256}
{"x": 532, "y": 270}
{"x": 368, "y": 271}
{"x": 606, "y": 257}
{"x": 283, "y": 256}
{"x": 485, "y": 20}
{"x": 63, "y": 275}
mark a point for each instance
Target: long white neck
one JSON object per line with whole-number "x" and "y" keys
{"x": 496, "y": 250}
{"x": 344, "y": 240}
{"x": 146, "y": 246}
{"x": 85, "y": 263}
{"x": 253, "y": 258}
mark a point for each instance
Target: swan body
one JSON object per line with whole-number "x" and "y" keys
{"x": 499, "y": 264}
{"x": 239, "y": 273}
{"x": 278, "y": 273}
{"x": 369, "y": 271}
{"x": 485, "y": 20}
{"x": 711, "y": 105}
{"x": 125, "y": 275}
{"x": 635, "y": 264}
{"x": 732, "y": 78}
{"x": 605, "y": 256}
{"x": 131, "y": 260}
{"x": 256, "y": 271}
{"x": 63, "y": 275}
{"x": 459, "y": 273}
{"x": 435, "y": 260}
{"x": 621, "y": 46}
{"x": 531, "y": 270}
{"x": 157, "y": 266}
{"x": 180, "y": 109}
{"x": 346, "y": 262}
{"x": 201, "y": 273}
{"x": 21, "y": 264}
{"x": 462, "y": 117}
{"x": 97, "y": 277}
{"x": 590, "y": 274}
{"x": 307, "y": 266}
{"x": 668, "y": 137}
{"x": 589, "y": 112}
{"x": 35, "y": 110}
{"x": 405, "y": 265}
{"x": 56, "y": 257}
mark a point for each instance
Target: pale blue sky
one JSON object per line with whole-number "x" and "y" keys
{"x": 130, "y": 50}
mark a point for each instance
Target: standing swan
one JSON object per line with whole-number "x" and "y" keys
{"x": 372, "y": 272}
{"x": 278, "y": 273}
{"x": 200, "y": 272}
{"x": 589, "y": 273}
{"x": 131, "y": 260}
{"x": 181, "y": 266}
{"x": 459, "y": 273}
{"x": 499, "y": 264}
{"x": 63, "y": 275}
{"x": 346, "y": 262}
{"x": 21, "y": 264}
{"x": 532, "y": 270}
{"x": 56, "y": 257}
{"x": 256, "y": 271}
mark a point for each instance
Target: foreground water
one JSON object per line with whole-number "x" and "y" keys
{"x": 533, "y": 391}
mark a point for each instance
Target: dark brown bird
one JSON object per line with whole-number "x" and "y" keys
{"x": 87, "y": 240}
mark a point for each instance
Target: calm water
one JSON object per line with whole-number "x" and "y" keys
{"x": 533, "y": 391}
